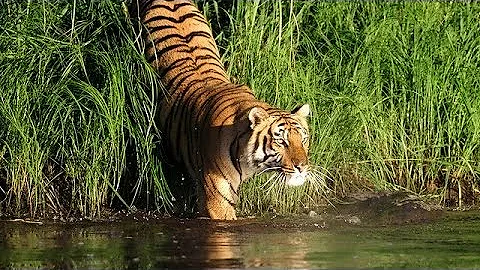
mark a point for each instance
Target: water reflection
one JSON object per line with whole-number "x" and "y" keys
{"x": 201, "y": 247}
{"x": 206, "y": 244}
{"x": 118, "y": 245}
{"x": 274, "y": 250}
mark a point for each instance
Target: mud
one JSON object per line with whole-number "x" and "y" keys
{"x": 365, "y": 208}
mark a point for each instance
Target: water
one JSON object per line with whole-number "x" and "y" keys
{"x": 452, "y": 241}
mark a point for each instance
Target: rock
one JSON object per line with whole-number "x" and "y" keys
{"x": 353, "y": 220}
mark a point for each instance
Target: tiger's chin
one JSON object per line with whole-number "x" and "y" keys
{"x": 295, "y": 179}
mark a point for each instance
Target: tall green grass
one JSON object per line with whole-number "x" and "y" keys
{"x": 394, "y": 89}
{"x": 76, "y": 119}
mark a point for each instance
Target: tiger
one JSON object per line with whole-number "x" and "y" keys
{"x": 215, "y": 129}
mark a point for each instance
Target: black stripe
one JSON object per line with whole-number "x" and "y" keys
{"x": 287, "y": 169}
{"x": 153, "y": 57}
{"x": 288, "y": 117}
{"x": 192, "y": 97}
{"x": 154, "y": 29}
{"x": 238, "y": 114}
{"x": 180, "y": 111}
{"x": 237, "y": 99}
{"x": 191, "y": 49}
{"x": 188, "y": 73}
{"x": 235, "y": 192}
{"x": 208, "y": 179}
{"x": 257, "y": 141}
{"x": 273, "y": 111}
{"x": 194, "y": 14}
{"x": 223, "y": 92}
{"x": 207, "y": 57}
{"x": 212, "y": 189}
{"x": 264, "y": 146}
{"x": 212, "y": 94}
{"x": 175, "y": 7}
{"x": 170, "y": 83}
{"x": 267, "y": 157}
{"x": 233, "y": 151}
{"x": 177, "y": 63}
{"x": 188, "y": 38}
{"x": 164, "y": 70}
{"x": 226, "y": 117}
{"x": 210, "y": 70}
{"x": 220, "y": 105}
{"x": 194, "y": 48}
{"x": 270, "y": 131}
{"x": 227, "y": 104}
{"x": 225, "y": 178}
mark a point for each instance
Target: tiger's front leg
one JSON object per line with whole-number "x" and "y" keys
{"x": 219, "y": 202}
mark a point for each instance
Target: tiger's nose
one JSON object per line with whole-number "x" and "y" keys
{"x": 299, "y": 167}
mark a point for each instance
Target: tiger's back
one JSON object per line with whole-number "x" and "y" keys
{"x": 208, "y": 124}
{"x": 181, "y": 47}
{"x": 180, "y": 44}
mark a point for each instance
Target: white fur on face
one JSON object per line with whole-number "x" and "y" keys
{"x": 297, "y": 178}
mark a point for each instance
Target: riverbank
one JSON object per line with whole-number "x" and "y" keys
{"x": 364, "y": 209}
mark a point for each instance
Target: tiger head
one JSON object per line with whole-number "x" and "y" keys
{"x": 280, "y": 142}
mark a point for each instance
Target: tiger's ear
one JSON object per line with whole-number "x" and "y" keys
{"x": 303, "y": 110}
{"x": 257, "y": 115}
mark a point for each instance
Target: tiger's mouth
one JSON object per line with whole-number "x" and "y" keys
{"x": 295, "y": 177}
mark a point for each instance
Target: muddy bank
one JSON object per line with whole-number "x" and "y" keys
{"x": 365, "y": 209}
{"x": 384, "y": 208}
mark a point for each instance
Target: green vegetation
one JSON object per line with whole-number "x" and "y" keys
{"x": 394, "y": 88}
{"x": 76, "y": 120}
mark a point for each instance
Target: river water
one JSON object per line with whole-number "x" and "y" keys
{"x": 302, "y": 242}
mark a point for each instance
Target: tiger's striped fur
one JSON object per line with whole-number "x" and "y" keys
{"x": 217, "y": 130}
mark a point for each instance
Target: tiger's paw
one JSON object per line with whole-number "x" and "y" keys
{"x": 223, "y": 213}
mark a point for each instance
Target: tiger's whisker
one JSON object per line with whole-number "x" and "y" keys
{"x": 269, "y": 180}
{"x": 270, "y": 169}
